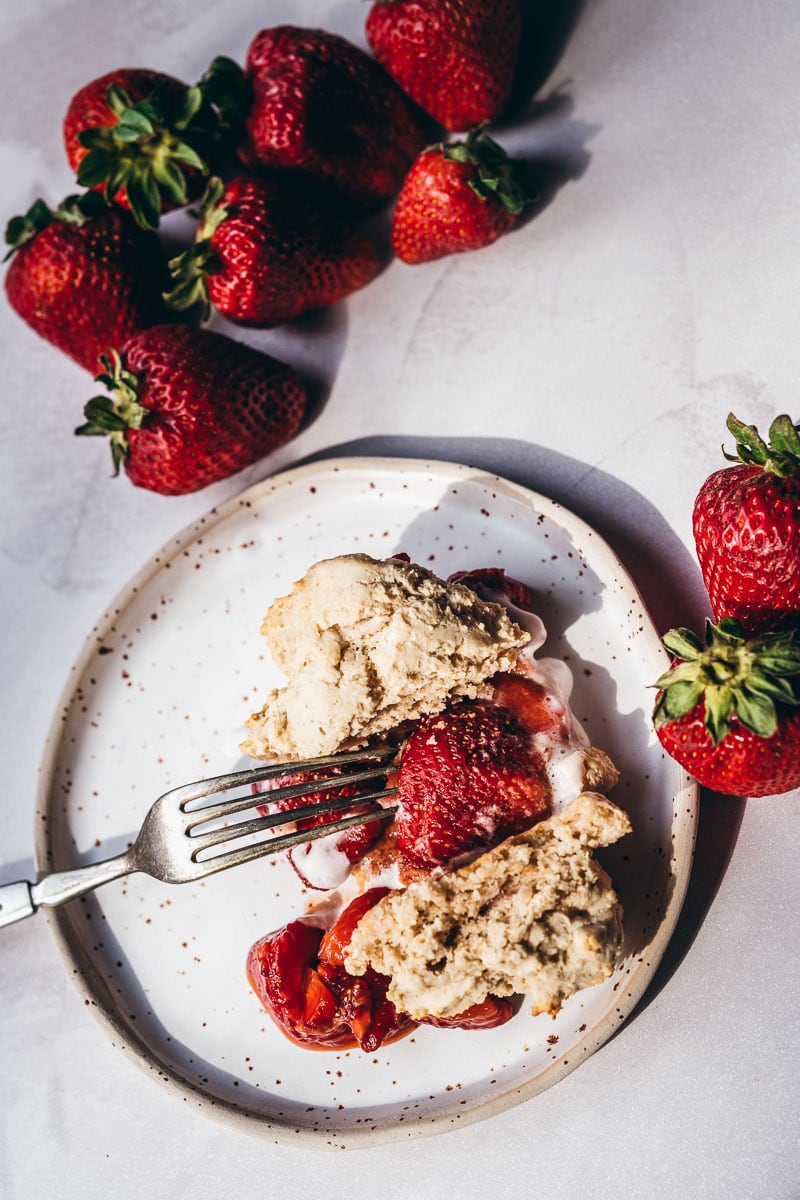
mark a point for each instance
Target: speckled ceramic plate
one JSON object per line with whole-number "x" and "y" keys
{"x": 158, "y": 697}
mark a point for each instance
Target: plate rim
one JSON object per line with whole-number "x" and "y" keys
{"x": 92, "y": 986}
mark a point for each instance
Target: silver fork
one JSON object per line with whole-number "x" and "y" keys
{"x": 175, "y": 844}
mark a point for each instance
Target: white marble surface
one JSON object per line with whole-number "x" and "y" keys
{"x": 593, "y": 354}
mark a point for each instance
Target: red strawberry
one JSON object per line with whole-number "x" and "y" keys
{"x": 492, "y": 583}
{"x": 190, "y": 407}
{"x": 138, "y": 135}
{"x": 299, "y": 976}
{"x": 84, "y": 276}
{"x": 468, "y": 778}
{"x": 326, "y": 111}
{"x": 488, "y": 1014}
{"x": 265, "y": 254}
{"x": 348, "y": 846}
{"x": 747, "y": 528}
{"x": 282, "y": 971}
{"x": 456, "y": 197}
{"x": 537, "y": 709}
{"x": 455, "y": 58}
{"x": 729, "y": 709}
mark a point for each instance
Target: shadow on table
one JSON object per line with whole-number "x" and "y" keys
{"x": 664, "y": 572}
{"x": 547, "y": 26}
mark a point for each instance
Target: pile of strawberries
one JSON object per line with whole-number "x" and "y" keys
{"x": 728, "y": 708}
{"x": 285, "y": 158}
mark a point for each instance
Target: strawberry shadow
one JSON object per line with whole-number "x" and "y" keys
{"x": 312, "y": 344}
{"x": 547, "y": 26}
{"x": 549, "y": 147}
{"x": 652, "y": 553}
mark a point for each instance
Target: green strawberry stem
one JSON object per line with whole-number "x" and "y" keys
{"x": 227, "y": 89}
{"x": 112, "y": 416}
{"x": 74, "y": 210}
{"x": 145, "y": 154}
{"x": 494, "y": 173}
{"x": 734, "y": 676}
{"x": 780, "y": 455}
{"x": 190, "y": 270}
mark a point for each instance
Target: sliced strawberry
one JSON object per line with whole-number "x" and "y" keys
{"x": 490, "y": 1013}
{"x": 349, "y": 846}
{"x": 492, "y": 583}
{"x": 363, "y": 1002}
{"x": 281, "y": 969}
{"x": 469, "y": 778}
{"x": 536, "y": 708}
{"x": 313, "y": 999}
{"x": 333, "y": 946}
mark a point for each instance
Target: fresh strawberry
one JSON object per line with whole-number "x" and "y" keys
{"x": 455, "y": 58}
{"x": 84, "y": 276}
{"x": 747, "y": 528}
{"x": 329, "y": 113}
{"x": 729, "y": 708}
{"x": 468, "y": 778}
{"x": 141, "y": 137}
{"x": 298, "y": 974}
{"x": 344, "y": 848}
{"x": 457, "y": 196}
{"x": 265, "y": 254}
{"x": 190, "y": 407}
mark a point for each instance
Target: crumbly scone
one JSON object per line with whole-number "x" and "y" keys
{"x": 536, "y": 915}
{"x": 599, "y": 772}
{"x": 369, "y": 644}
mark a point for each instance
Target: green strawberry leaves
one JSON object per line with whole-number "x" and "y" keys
{"x": 191, "y": 269}
{"x": 147, "y": 153}
{"x": 74, "y": 210}
{"x": 733, "y": 676}
{"x": 229, "y": 91}
{"x": 493, "y": 174}
{"x": 112, "y": 416}
{"x": 780, "y": 455}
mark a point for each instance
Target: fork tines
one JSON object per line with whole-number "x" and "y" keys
{"x": 209, "y": 824}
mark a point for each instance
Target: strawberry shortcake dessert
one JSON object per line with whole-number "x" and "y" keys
{"x": 480, "y": 885}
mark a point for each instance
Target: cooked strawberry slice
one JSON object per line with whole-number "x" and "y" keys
{"x": 492, "y": 583}
{"x": 313, "y": 999}
{"x": 333, "y": 946}
{"x": 281, "y": 969}
{"x": 328, "y": 867}
{"x": 363, "y": 1002}
{"x": 490, "y": 1013}
{"x": 537, "y": 708}
{"x": 469, "y": 778}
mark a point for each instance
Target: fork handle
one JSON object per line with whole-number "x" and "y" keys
{"x": 21, "y": 899}
{"x": 15, "y": 902}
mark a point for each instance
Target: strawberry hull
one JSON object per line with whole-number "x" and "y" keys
{"x": 90, "y": 110}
